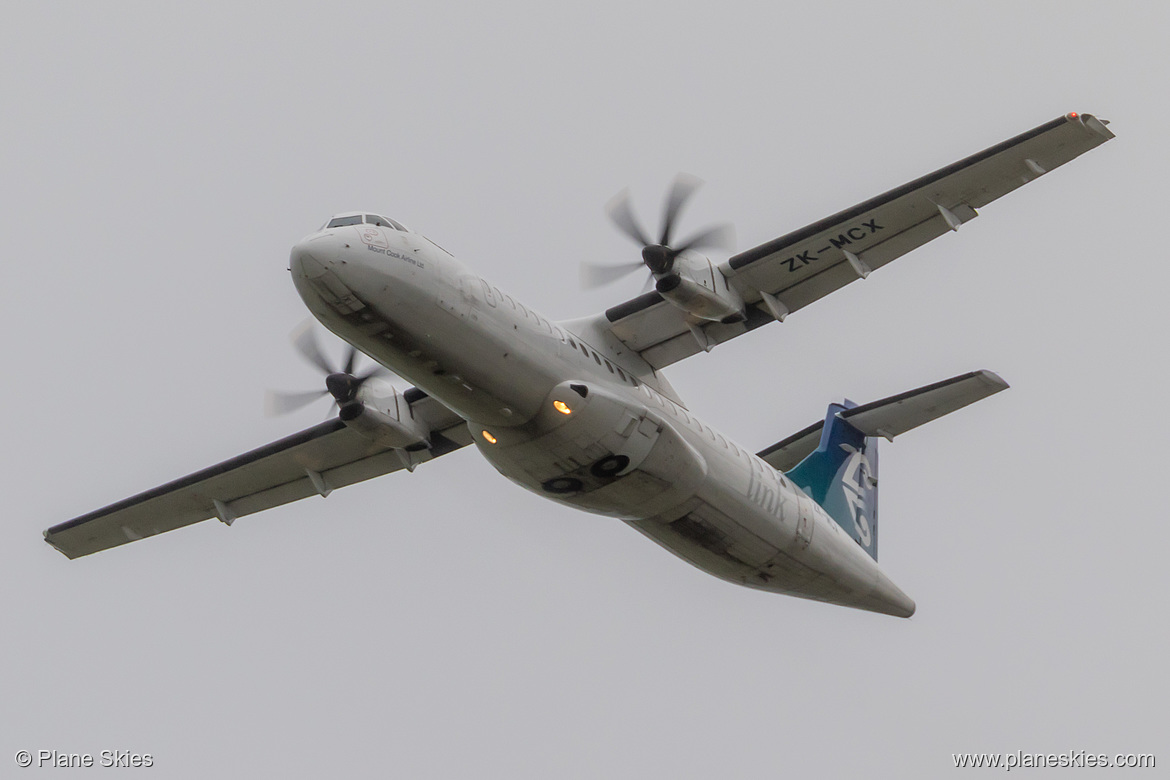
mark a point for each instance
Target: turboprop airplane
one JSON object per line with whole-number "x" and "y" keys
{"x": 580, "y": 412}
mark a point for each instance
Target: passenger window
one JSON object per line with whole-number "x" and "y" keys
{"x": 487, "y": 294}
{"x": 623, "y": 376}
{"x": 596, "y": 359}
{"x": 607, "y": 365}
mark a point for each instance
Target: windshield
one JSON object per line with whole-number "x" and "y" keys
{"x": 374, "y": 219}
{"x": 345, "y": 220}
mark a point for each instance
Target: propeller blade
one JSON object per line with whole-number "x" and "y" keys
{"x": 649, "y": 285}
{"x": 622, "y": 215}
{"x": 718, "y": 237}
{"x": 684, "y": 186}
{"x": 304, "y": 339}
{"x": 377, "y": 370}
{"x": 594, "y": 275}
{"x": 350, "y": 360}
{"x": 282, "y": 403}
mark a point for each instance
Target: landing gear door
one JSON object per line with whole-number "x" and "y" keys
{"x": 640, "y": 434}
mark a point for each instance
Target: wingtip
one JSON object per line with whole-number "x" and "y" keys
{"x": 994, "y": 379}
{"x": 50, "y": 542}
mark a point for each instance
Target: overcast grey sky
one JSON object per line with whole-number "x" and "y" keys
{"x": 157, "y": 164}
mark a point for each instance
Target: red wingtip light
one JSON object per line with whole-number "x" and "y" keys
{"x": 1072, "y": 114}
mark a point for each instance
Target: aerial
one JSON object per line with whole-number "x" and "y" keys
{"x": 160, "y": 165}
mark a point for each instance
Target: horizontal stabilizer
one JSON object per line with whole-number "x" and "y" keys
{"x": 891, "y": 416}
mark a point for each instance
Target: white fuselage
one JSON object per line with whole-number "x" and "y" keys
{"x": 567, "y": 411}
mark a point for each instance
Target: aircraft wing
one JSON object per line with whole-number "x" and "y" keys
{"x": 790, "y": 272}
{"x": 313, "y": 462}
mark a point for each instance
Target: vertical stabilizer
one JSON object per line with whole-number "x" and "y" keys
{"x": 841, "y": 475}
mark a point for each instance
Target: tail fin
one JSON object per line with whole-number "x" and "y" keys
{"x": 841, "y": 475}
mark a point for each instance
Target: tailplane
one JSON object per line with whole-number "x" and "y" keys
{"x": 835, "y": 461}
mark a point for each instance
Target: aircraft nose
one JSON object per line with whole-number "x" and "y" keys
{"x": 311, "y": 257}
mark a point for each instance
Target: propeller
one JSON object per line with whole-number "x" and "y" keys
{"x": 658, "y": 257}
{"x": 341, "y": 383}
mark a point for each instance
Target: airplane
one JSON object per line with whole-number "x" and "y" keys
{"x": 580, "y": 412}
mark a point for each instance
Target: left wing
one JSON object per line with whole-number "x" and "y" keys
{"x": 313, "y": 462}
{"x": 790, "y": 272}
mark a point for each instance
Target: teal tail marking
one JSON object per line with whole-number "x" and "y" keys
{"x": 841, "y": 475}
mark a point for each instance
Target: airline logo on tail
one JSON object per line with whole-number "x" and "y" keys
{"x": 853, "y": 484}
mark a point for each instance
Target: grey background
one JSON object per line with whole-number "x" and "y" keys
{"x": 156, "y": 165}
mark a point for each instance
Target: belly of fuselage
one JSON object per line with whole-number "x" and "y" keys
{"x": 596, "y": 450}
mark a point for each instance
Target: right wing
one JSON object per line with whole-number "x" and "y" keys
{"x": 313, "y": 462}
{"x": 790, "y": 272}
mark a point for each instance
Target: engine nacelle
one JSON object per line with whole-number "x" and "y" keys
{"x": 697, "y": 287}
{"x": 383, "y": 416}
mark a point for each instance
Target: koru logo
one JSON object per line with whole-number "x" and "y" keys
{"x": 852, "y": 482}
{"x": 373, "y": 237}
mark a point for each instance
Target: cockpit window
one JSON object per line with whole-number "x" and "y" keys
{"x": 374, "y": 219}
{"x": 344, "y": 220}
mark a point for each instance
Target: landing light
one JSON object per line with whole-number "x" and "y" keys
{"x": 562, "y": 407}
{"x": 488, "y": 437}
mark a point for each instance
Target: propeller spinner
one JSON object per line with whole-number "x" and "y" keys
{"x": 658, "y": 257}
